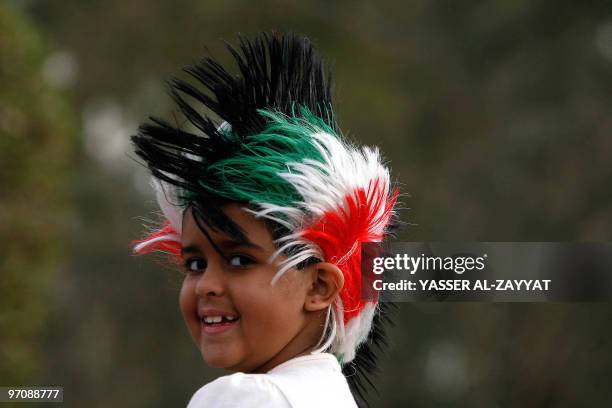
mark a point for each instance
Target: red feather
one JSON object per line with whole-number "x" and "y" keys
{"x": 170, "y": 245}
{"x": 339, "y": 234}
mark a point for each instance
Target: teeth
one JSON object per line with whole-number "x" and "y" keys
{"x": 218, "y": 319}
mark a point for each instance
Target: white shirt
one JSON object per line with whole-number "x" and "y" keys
{"x": 313, "y": 380}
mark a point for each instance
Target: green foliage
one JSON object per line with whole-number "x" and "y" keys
{"x": 36, "y": 145}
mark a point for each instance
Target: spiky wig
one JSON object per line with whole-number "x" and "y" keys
{"x": 278, "y": 150}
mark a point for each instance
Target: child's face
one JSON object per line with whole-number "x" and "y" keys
{"x": 259, "y": 321}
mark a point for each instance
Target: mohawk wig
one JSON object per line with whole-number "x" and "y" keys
{"x": 278, "y": 150}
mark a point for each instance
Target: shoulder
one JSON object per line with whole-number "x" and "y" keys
{"x": 302, "y": 382}
{"x": 313, "y": 380}
{"x": 240, "y": 390}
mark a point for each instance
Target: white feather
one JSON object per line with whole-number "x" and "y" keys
{"x": 324, "y": 186}
{"x": 169, "y": 237}
{"x": 168, "y": 201}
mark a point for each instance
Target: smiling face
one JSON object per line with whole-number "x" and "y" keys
{"x": 238, "y": 320}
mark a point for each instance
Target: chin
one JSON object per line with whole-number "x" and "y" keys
{"x": 217, "y": 358}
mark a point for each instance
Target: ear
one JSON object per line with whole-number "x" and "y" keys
{"x": 327, "y": 282}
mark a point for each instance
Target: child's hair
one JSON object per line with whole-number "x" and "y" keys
{"x": 278, "y": 150}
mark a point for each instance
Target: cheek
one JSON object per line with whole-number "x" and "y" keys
{"x": 188, "y": 302}
{"x": 292, "y": 287}
{"x": 279, "y": 307}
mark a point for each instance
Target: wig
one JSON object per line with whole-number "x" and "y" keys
{"x": 267, "y": 137}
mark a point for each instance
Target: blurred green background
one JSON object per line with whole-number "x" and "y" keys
{"x": 495, "y": 116}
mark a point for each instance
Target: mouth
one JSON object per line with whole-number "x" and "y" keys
{"x": 216, "y": 324}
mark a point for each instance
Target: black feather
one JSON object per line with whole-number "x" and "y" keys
{"x": 364, "y": 366}
{"x": 275, "y": 72}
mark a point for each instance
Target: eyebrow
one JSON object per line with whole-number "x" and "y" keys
{"x": 190, "y": 249}
{"x": 226, "y": 244}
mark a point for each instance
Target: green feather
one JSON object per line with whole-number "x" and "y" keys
{"x": 252, "y": 173}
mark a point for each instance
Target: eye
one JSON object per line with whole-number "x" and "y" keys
{"x": 240, "y": 261}
{"x": 195, "y": 265}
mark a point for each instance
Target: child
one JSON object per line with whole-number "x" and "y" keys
{"x": 267, "y": 212}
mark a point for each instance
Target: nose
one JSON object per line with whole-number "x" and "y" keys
{"x": 211, "y": 282}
